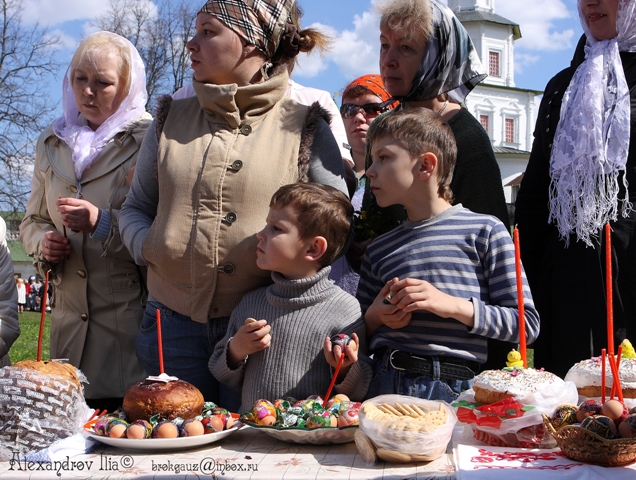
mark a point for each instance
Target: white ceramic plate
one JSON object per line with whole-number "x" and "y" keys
{"x": 163, "y": 443}
{"x": 313, "y": 436}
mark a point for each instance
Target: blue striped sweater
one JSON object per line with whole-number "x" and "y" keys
{"x": 461, "y": 253}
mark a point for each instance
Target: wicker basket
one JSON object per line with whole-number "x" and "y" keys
{"x": 582, "y": 445}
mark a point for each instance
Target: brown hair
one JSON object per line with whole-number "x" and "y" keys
{"x": 321, "y": 210}
{"x": 295, "y": 40}
{"x": 409, "y": 17}
{"x": 421, "y": 130}
{"x": 357, "y": 91}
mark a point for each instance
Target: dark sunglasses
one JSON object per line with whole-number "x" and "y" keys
{"x": 350, "y": 110}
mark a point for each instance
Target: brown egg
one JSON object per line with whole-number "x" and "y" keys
{"x": 193, "y": 428}
{"x": 229, "y": 422}
{"x": 342, "y": 397}
{"x": 334, "y": 421}
{"x": 613, "y": 409}
{"x": 167, "y": 430}
{"x": 217, "y": 423}
{"x": 136, "y": 431}
{"x": 267, "y": 421}
{"x": 117, "y": 431}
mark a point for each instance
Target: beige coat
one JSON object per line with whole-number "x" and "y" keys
{"x": 97, "y": 307}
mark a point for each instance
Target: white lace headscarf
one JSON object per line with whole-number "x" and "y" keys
{"x": 591, "y": 141}
{"x": 72, "y": 127}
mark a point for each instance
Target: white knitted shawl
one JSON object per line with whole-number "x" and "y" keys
{"x": 592, "y": 138}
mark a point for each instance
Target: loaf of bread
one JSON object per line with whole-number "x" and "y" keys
{"x": 167, "y": 399}
{"x": 64, "y": 370}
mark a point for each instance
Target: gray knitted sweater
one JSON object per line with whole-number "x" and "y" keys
{"x": 301, "y": 314}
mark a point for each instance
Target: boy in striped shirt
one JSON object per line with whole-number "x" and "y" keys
{"x": 435, "y": 288}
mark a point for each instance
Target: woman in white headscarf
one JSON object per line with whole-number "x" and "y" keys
{"x": 580, "y": 176}
{"x": 81, "y": 176}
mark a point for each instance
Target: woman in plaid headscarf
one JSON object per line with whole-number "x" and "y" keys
{"x": 204, "y": 180}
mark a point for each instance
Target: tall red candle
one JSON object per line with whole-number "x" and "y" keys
{"x": 160, "y": 341}
{"x": 522, "y": 317}
{"x": 43, "y": 310}
{"x": 603, "y": 370}
{"x": 610, "y": 293}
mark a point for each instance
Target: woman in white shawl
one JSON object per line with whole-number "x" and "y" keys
{"x": 80, "y": 179}
{"x": 580, "y": 176}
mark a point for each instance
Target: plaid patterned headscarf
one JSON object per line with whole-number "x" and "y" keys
{"x": 450, "y": 64}
{"x": 259, "y": 22}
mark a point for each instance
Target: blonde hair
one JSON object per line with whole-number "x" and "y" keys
{"x": 410, "y": 17}
{"x": 97, "y": 41}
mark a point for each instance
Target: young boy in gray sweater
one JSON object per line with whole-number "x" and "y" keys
{"x": 287, "y": 352}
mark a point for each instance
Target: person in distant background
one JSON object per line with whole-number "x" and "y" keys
{"x": 9, "y": 325}
{"x": 21, "y": 295}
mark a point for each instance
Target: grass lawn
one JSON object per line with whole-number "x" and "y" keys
{"x": 26, "y": 346}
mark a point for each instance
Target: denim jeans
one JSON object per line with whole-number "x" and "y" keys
{"x": 187, "y": 347}
{"x": 388, "y": 380}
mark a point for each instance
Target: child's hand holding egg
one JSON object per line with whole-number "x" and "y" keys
{"x": 338, "y": 345}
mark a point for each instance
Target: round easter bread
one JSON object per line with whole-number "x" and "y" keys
{"x": 167, "y": 399}
{"x": 586, "y": 375}
{"x": 491, "y": 386}
{"x": 64, "y": 370}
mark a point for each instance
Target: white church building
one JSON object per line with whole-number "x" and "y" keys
{"x": 506, "y": 112}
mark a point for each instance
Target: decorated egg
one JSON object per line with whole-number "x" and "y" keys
{"x": 264, "y": 413}
{"x": 318, "y": 421}
{"x": 117, "y": 428}
{"x": 564, "y": 415}
{"x": 615, "y": 410}
{"x": 333, "y": 405}
{"x": 139, "y": 429}
{"x": 165, "y": 429}
{"x": 587, "y": 408}
{"x": 348, "y": 418}
{"x": 225, "y": 415}
{"x": 212, "y": 424}
{"x": 192, "y": 428}
{"x": 601, "y": 425}
{"x": 627, "y": 428}
{"x": 282, "y": 404}
{"x": 101, "y": 426}
{"x": 343, "y": 340}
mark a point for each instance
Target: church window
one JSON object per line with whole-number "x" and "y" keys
{"x": 493, "y": 58}
{"x": 510, "y": 130}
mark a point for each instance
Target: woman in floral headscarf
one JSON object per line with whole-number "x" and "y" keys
{"x": 428, "y": 60}
{"x": 206, "y": 174}
{"x": 80, "y": 180}
{"x": 580, "y": 176}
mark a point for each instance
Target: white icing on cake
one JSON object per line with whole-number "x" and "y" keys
{"x": 588, "y": 373}
{"x": 516, "y": 381}
{"x": 164, "y": 377}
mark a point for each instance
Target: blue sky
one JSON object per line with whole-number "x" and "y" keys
{"x": 549, "y": 28}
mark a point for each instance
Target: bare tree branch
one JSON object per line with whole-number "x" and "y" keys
{"x": 159, "y": 31}
{"x": 27, "y": 64}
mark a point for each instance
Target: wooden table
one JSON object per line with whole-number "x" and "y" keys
{"x": 246, "y": 454}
